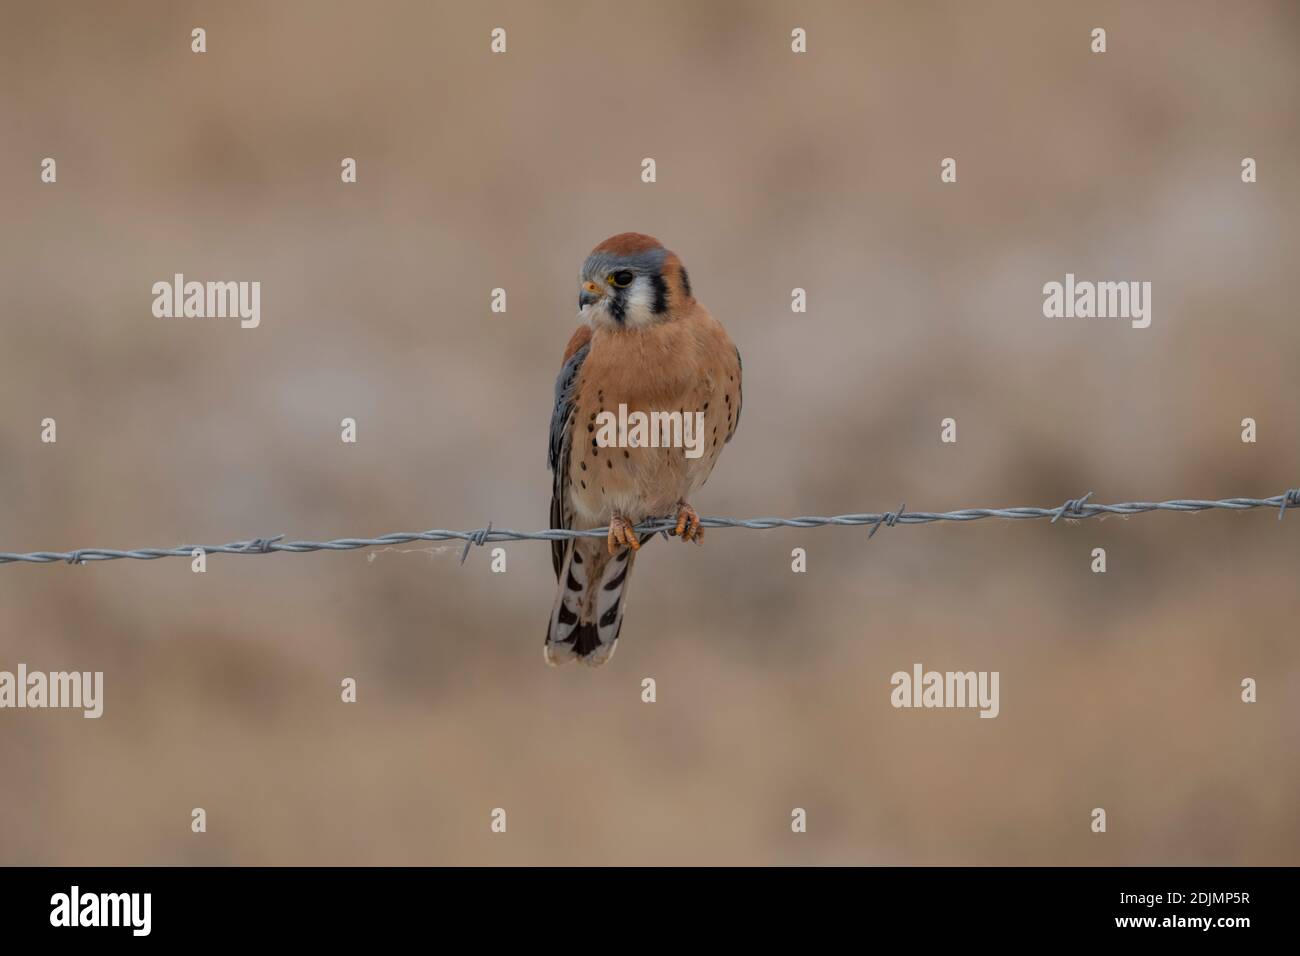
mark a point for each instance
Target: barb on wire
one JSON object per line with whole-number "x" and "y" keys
{"x": 1075, "y": 508}
{"x": 889, "y": 519}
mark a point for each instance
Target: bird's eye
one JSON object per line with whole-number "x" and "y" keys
{"x": 622, "y": 279}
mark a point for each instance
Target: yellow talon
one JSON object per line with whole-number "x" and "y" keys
{"x": 688, "y": 524}
{"x": 621, "y": 532}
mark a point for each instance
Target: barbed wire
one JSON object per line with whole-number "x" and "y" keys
{"x": 1073, "y": 509}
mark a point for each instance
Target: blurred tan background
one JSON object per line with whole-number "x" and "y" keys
{"x": 774, "y": 171}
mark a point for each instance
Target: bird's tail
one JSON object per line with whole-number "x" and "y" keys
{"x": 588, "y": 611}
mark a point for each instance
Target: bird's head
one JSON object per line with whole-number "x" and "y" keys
{"x": 631, "y": 281}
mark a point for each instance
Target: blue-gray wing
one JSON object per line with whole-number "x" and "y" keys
{"x": 557, "y": 456}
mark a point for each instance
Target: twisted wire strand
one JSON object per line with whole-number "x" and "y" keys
{"x": 1074, "y": 508}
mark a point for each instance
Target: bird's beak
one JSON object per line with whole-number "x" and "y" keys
{"x": 591, "y": 293}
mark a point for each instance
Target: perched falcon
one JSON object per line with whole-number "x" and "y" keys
{"x": 646, "y": 344}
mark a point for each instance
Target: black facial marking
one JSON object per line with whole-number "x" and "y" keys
{"x": 567, "y": 617}
{"x": 572, "y": 584}
{"x": 686, "y": 282}
{"x": 661, "y": 294}
{"x": 618, "y": 307}
{"x": 577, "y": 557}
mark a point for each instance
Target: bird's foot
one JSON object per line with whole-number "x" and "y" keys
{"x": 688, "y": 524}
{"x": 622, "y": 532}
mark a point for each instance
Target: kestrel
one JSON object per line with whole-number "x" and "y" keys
{"x": 647, "y": 344}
